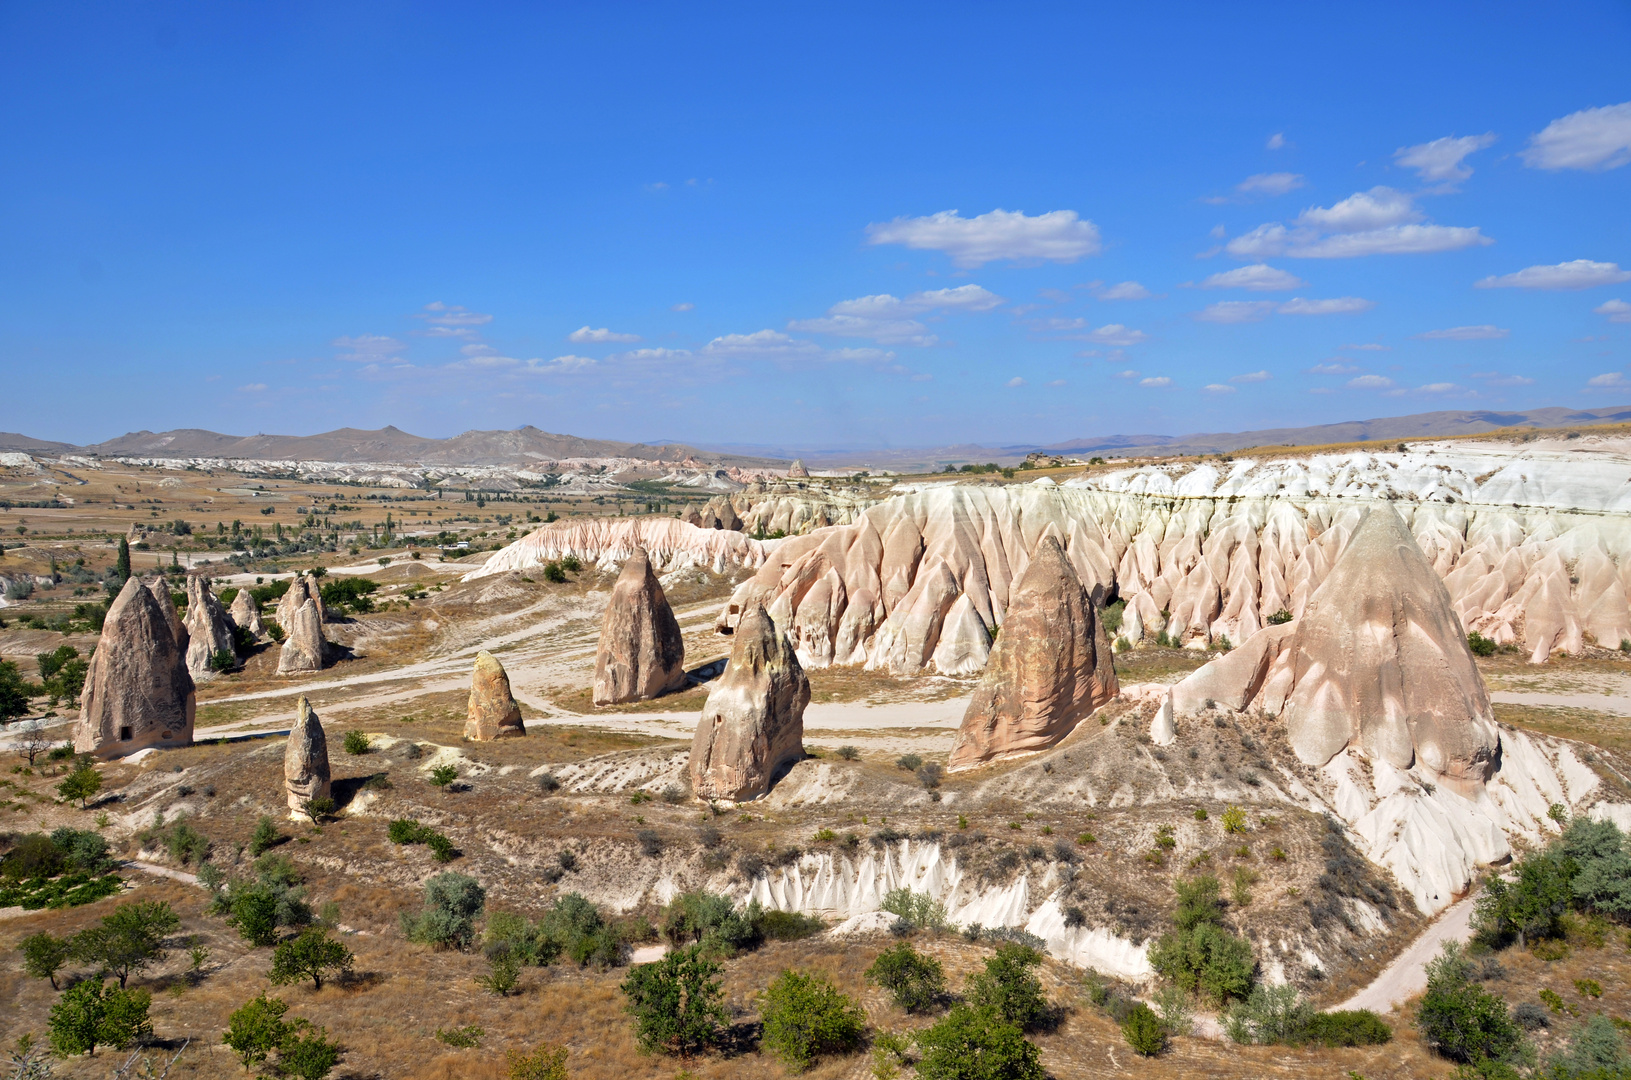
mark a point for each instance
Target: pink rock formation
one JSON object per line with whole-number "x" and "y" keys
{"x": 1050, "y": 669}
{"x": 246, "y": 615}
{"x": 752, "y": 727}
{"x": 1378, "y": 661}
{"x": 208, "y": 630}
{"x": 492, "y": 712}
{"x": 305, "y": 759}
{"x": 137, "y": 691}
{"x": 641, "y": 653}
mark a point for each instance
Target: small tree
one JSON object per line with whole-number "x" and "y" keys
{"x": 675, "y": 1002}
{"x": 547, "y": 1062}
{"x": 356, "y": 742}
{"x": 81, "y": 784}
{"x": 264, "y": 838}
{"x": 1531, "y": 906}
{"x": 448, "y": 919}
{"x": 805, "y": 1016}
{"x": 31, "y": 742}
{"x": 128, "y": 940}
{"x": 307, "y": 1052}
{"x": 443, "y": 775}
{"x": 44, "y": 955}
{"x": 1459, "y": 1019}
{"x": 317, "y": 809}
{"x": 14, "y": 692}
{"x": 503, "y": 969}
{"x": 256, "y": 1029}
{"x": 91, "y": 1013}
{"x": 976, "y": 1044}
{"x": 310, "y": 954}
{"x": 915, "y": 981}
{"x": 1144, "y": 1031}
{"x": 1008, "y": 987}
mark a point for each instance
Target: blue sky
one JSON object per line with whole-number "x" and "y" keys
{"x": 843, "y": 226}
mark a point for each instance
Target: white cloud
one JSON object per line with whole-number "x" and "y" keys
{"x": 1218, "y": 388}
{"x": 1380, "y": 221}
{"x": 1259, "y": 277}
{"x": 463, "y": 333}
{"x": 583, "y": 335}
{"x": 1484, "y": 332}
{"x": 1339, "y": 305}
{"x": 1612, "y": 378}
{"x": 1236, "y": 311}
{"x": 1116, "y": 334}
{"x": 1591, "y": 139}
{"x": 1576, "y": 274}
{"x": 1333, "y": 367}
{"x": 1128, "y": 374}
{"x": 1370, "y": 382}
{"x": 1127, "y": 290}
{"x": 1276, "y": 141}
{"x": 1157, "y": 381}
{"x": 761, "y": 345}
{"x": 648, "y": 356}
{"x": 1442, "y": 160}
{"x": 1495, "y": 378}
{"x": 1058, "y": 382}
{"x": 1274, "y": 183}
{"x": 1437, "y": 388}
{"x": 1016, "y": 381}
{"x": 253, "y": 388}
{"x": 687, "y": 306}
{"x": 1616, "y": 310}
{"x": 561, "y": 365}
{"x": 1251, "y": 377}
{"x": 368, "y": 348}
{"x": 1368, "y": 347}
{"x": 484, "y": 356}
{"x": 887, "y": 319}
{"x": 1057, "y": 236}
{"x": 440, "y": 314}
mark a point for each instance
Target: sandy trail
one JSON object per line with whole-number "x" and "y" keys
{"x": 1407, "y": 975}
{"x": 1616, "y": 702}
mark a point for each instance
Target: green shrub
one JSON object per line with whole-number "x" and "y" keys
{"x": 1144, "y": 1031}
{"x": 975, "y": 1044}
{"x": 1207, "y": 959}
{"x": 920, "y": 911}
{"x": 1008, "y": 987}
{"x": 34, "y": 856}
{"x": 909, "y": 762}
{"x": 81, "y": 784}
{"x": 443, "y": 775}
{"x": 805, "y": 1016}
{"x": 1596, "y": 1051}
{"x": 546, "y": 1062}
{"x": 1480, "y": 645}
{"x": 45, "y": 955}
{"x": 1271, "y": 1015}
{"x": 503, "y": 969}
{"x": 1234, "y": 820}
{"x": 357, "y": 742}
{"x": 264, "y": 838}
{"x": 91, "y": 1014}
{"x": 307, "y": 1052}
{"x": 1348, "y": 1027}
{"x": 786, "y": 925}
{"x": 1530, "y": 907}
{"x": 463, "y": 1037}
{"x": 916, "y": 982}
{"x": 448, "y": 919}
{"x": 128, "y": 940}
{"x": 1460, "y": 1020}
{"x": 261, "y": 905}
{"x": 676, "y": 1002}
{"x": 712, "y": 921}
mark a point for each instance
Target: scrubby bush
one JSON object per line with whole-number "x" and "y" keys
{"x": 1270, "y": 1015}
{"x": 848, "y": 753}
{"x": 805, "y": 1016}
{"x": 357, "y": 742}
{"x": 1201, "y": 955}
{"x": 916, "y": 982}
{"x": 307, "y": 1052}
{"x": 676, "y": 1002}
{"x": 1460, "y": 1020}
{"x": 264, "y": 838}
{"x": 712, "y": 921}
{"x": 1348, "y": 1027}
{"x": 1009, "y": 987}
{"x": 1144, "y": 1031}
{"x": 259, "y": 906}
{"x": 448, "y": 918}
{"x": 311, "y": 954}
{"x": 1595, "y": 1051}
{"x": 408, "y": 831}
{"x": 1530, "y": 907}
{"x": 918, "y": 911}
{"x": 975, "y": 1044}
{"x": 909, "y": 762}
{"x": 81, "y": 784}
{"x": 546, "y": 1062}
{"x": 1480, "y": 645}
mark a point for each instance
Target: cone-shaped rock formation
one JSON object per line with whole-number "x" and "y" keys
{"x": 305, "y": 759}
{"x": 137, "y": 690}
{"x": 1050, "y": 669}
{"x": 493, "y": 713}
{"x": 752, "y": 727}
{"x": 208, "y": 629}
{"x": 641, "y": 653}
{"x": 300, "y": 613}
{"x": 1378, "y": 661}
{"x": 245, "y": 614}
{"x": 160, "y": 588}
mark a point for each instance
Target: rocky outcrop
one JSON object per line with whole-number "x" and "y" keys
{"x": 137, "y": 691}
{"x": 720, "y": 514}
{"x": 641, "y": 654}
{"x": 160, "y": 588}
{"x": 208, "y": 630}
{"x": 1378, "y": 661}
{"x": 304, "y": 646}
{"x": 492, "y": 712}
{"x": 305, "y": 759}
{"x": 752, "y": 727}
{"x": 669, "y": 543}
{"x": 302, "y": 588}
{"x": 245, "y": 614}
{"x": 797, "y": 470}
{"x": 1050, "y": 669}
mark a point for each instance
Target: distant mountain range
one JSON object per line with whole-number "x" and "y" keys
{"x": 517, "y": 448}
{"x": 528, "y": 446}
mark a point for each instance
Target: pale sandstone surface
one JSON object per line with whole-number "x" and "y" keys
{"x": 305, "y": 759}
{"x": 752, "y": 726}
{"x": 209, "y": 631}
{"x": 641, "y": 654}
{"x": 137, "y": 690}
{"x": 492, "y": 712}
{"x": 245, "y": 614}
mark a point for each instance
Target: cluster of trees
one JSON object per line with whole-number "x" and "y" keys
{"x": 1585, "y": 874}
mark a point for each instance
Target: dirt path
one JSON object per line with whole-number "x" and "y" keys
{"x": 1407, "y": 975}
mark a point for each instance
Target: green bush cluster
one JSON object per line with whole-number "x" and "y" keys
{"x": 1587, "y": 870}
{"x": 805, "y": 1016}
{"x": 452, "y": 904}
{"x": 258, "y": 1030}
{"x": 128, "y": 940}
{"x": 348, "y": 594}
{"x": 261, "y": 905}
{"x": 1201, "y": 955}
{"x": 916, "y": 983}
{"x": 915, "y": 911}
{"x": 408, "y": 831}
{"x": 1279, "y": 1015}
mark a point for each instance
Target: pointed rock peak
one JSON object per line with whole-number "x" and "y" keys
{"x": 137, "y": 689}
{"x": 641, "y": 653}
{"x": 752, "y": 727}
{"x": 305, "y": 759}
{"x": 492, "y": 712}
